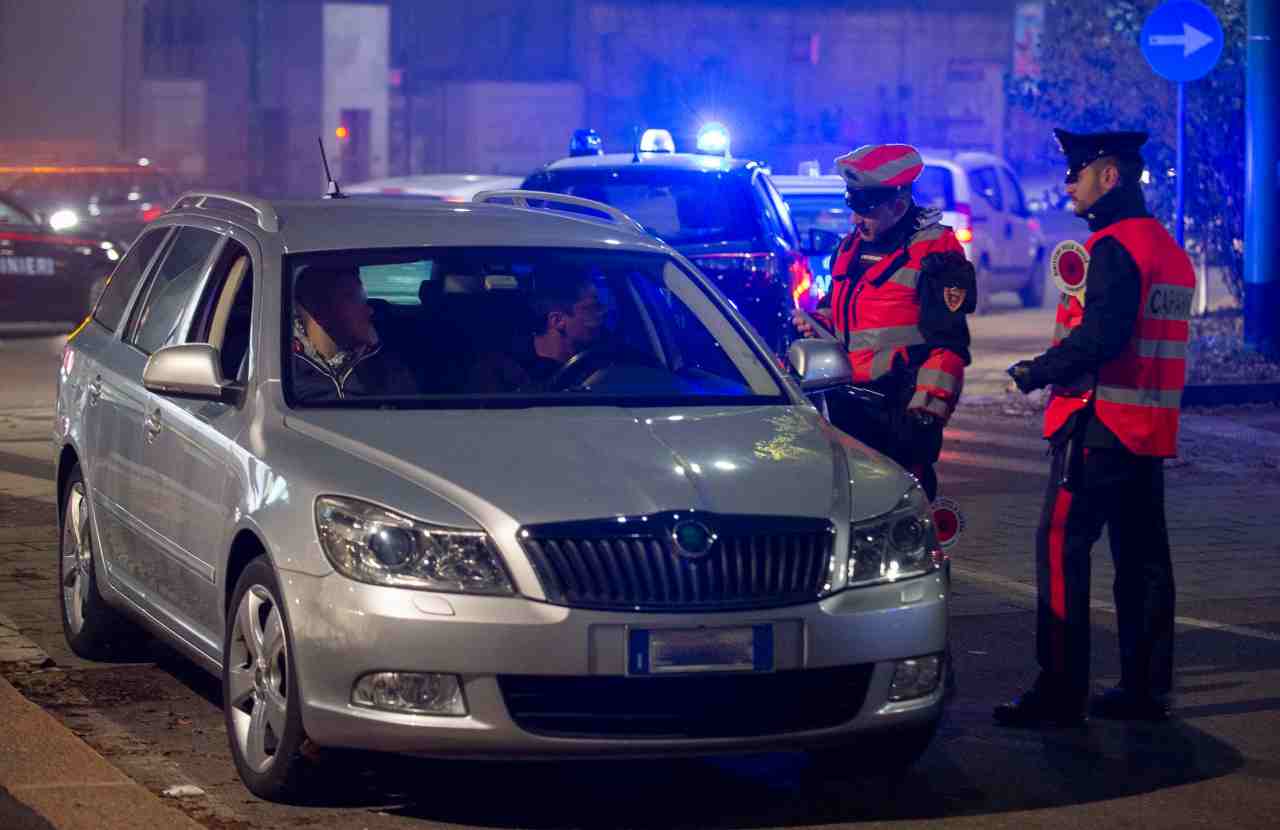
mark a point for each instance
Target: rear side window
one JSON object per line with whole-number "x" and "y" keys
{"x": 125, "y": 278}
{"x": 156, "y": 318}
{"x": 933, "y": 189}
{"x": 984, "y": 183}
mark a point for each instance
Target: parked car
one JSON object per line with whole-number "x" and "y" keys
{"x": 48, "y": 280}
{"x": 445, "y": 187}
{"x": 645, "y": 555}
{"x": 722, "y": 213}
{"x": 116, "y": 200}
{"x": 980, "y": 198}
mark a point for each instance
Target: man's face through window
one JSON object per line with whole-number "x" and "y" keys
{"x": 348, "y": 318}
{"x": 583, "y": 326}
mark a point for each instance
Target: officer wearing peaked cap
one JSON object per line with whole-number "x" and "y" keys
{"x": 901, "y": 290}
{"x": 1115, "y": 375}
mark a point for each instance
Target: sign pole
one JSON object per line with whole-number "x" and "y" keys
{"x": 1262, "y": 179}
{"x": 1180, "y": 172}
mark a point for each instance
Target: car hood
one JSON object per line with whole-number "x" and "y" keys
{"x": 561, "y": 464}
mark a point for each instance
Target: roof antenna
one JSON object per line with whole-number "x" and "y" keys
{"x": 333, "y": 191}
{"x": 635, "y": 144}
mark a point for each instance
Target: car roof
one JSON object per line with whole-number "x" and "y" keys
{"x": 436, "y": 183}
{"x": 655, "y": 161}
{"x": 344, "y": 224}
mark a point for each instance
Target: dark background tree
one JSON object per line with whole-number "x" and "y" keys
{"x": 1093, "y": 77}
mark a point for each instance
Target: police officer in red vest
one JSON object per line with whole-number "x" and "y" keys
{"x": 1116, "y": 375}
{"x": 901, "y": 289}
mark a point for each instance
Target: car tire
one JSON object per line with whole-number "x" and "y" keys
{"x": 889, "y": 754}
{"x": 1032, "y": 294}
{"x": 260, "y": 700}
{"x": 93, "y": 629}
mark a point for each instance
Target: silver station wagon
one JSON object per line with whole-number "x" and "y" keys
{"x": 484, "y": 481}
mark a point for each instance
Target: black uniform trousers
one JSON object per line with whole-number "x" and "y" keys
{"x": 1090, "y": 488}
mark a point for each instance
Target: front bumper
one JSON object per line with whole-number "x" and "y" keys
{"x": 343, "y": 629}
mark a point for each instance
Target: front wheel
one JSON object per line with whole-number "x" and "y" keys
{"x": 260, "y": 699}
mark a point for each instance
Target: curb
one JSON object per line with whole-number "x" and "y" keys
{"x": 50, "y": 779}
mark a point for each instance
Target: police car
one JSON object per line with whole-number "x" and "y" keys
{"x": 48, "y": 280}
{"x": 722, "y": 213}
{"x": 980, "y": 198}
{"x": 116, "y": 200}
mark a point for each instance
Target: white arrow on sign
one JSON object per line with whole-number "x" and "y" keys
{"x": 1191, "y": 40}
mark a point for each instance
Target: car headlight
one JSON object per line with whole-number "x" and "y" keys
{"x": 375, "y": 545}
{"x": 64, "y": 219}
{"x": 897, "y": 545}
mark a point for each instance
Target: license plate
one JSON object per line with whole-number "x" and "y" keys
{"x": 688, "y": 650}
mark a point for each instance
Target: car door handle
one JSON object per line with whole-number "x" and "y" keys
{"x": 152, "y": 426}
{"x": 95, "y": 391}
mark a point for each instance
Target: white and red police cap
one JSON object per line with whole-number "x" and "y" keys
{"x": 880, "y": 166}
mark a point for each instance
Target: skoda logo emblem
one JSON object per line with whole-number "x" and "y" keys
{"x": 692, "y": 539}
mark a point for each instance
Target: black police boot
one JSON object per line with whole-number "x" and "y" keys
{"x": 1041, "y": 706}
{"x": 1121, "y": 704}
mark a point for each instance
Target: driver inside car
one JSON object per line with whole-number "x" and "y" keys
{"x": 569, "y": 319}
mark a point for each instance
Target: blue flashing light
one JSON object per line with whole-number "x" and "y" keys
{"x": 657, "y": 141}
{"x": 586, "y": 143}
{"x": 713, "y": 139}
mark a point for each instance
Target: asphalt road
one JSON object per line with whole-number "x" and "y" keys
{"x": 1217, "y": 764}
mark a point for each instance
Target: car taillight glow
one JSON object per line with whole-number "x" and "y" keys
{"x": 1033, "y": 225}
{"x": 964, "y": 232}
{"x": 149, "y": 213}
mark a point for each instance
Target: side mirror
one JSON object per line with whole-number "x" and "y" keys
{"x": 820, "y": 364}
{"x": 192, "y": 370}
{"x": 819, "y": 242}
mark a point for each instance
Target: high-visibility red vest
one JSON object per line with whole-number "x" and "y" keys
{"x": 878, "y": 317}
{"x": 1066, "y": 400}
{"x": 1139, "y": 392}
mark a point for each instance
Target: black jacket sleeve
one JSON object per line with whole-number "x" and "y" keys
{"x": 1111, "y": 299}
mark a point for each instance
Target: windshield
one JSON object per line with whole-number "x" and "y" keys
{"x": 511, "y": 327}
{"x": 678, "y": 206}
{"x": 101, "y": 188}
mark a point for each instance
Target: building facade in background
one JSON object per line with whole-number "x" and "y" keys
{"x": 233, "y": 94}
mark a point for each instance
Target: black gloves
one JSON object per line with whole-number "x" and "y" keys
{"x": 920, "y": 437}
{"x": 1026, "y": 377}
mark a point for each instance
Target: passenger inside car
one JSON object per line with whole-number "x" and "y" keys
{"x": 568, "y": 319}
{"x": 336, "y": 349}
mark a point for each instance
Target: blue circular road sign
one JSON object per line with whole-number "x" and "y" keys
{"x": 1182, "y": 40}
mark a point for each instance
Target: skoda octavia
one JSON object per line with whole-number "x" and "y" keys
{"x": 483, "y": 481}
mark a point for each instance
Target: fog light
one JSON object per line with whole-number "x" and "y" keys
{"x": 916, "y": 677}
{"x": 415, "y": 693}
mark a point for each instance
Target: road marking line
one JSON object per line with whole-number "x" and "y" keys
{"x": 960, "y": 458}
{"x": 970, "y": 436}
{"x": 1023, "y": 588}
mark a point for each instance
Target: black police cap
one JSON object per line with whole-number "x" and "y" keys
{"x": 1081, "y": 149}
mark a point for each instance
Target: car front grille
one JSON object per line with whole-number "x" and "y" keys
{"x": 686, "y": 707}
{"x": 754, "y": 562}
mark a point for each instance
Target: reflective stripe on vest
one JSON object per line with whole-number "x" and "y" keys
{"x": 879, "y": 314}
{"x": 1139, "y": 391}
{"x": 939, "y": 380}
